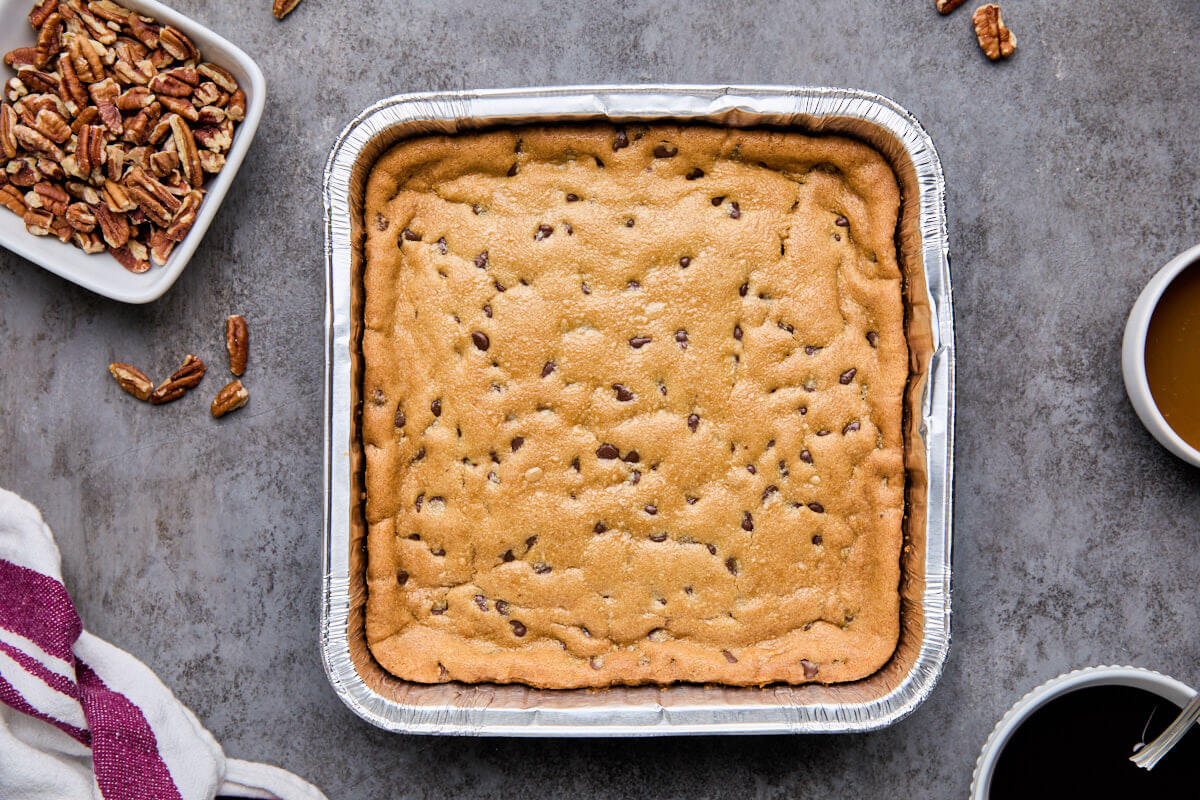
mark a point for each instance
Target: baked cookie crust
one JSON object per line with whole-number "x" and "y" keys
{"x": 632, "y": 407}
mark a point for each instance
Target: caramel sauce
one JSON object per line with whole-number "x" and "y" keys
{"x": 1173, "y": 355}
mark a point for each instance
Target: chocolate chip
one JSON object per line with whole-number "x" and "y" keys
{"x": 716, "y": 201}
{"x": 734, "y": 211}
{"x": 737, "y": 332}
{"x": 620, "y": 140}
{"x": 816, "y": 508}
{"x": 783, "y": 470}
{"x": 806, "y": 457}
{"x": 635, "y": 477}
{"x": 401, "y": 577}
{"x": 502, "y": 608}
{"x": 542, "y": 569}
{"x": 850, "y": 427}
{"x": 585, "y": 288}
{"x": 712, "y": 549}
{"x": 810, "y": 669}
{"x": 803, "y": 410}
{"x": 481, "y": 601}
{"x": 600, "y": 527}
{"x": 681, "y": 337}
{"x": 439, "y": 607}
{"x": 685, "y": 262}
{"x": 811, "y": 349}
{"x": 651, "y": 509}
{"x": 512, "y": 170}
{"x": 638, "y": 341}
{"x": 480, "y": 339}
{"x": 570, "y": 230}
{"x": 481, "y": 260}
{"x": 662, "y": 388}
{"x": 487, "y": 311}
{"x": 607, "y": 451}
{"x": 517, "y": 628}
{"x": 842, "y": 221}
{"x": 745, "y": 287}
{"x": 531, "y": 541}
{"x": 848, "y": 375}
{"x": 631, "y": 457}
{"x": 623, "y": 393}
{"x": 381, "y": 222}
{"x": 694, "y": 174}
{"x": 691, "y": 499}
{"x": 837, "y": 237}
{"x": 730, "y": 657}
{"x": 770, "y": 444}
{"x": 823, "y": 432}
{"x": 499, "y": 286}
{"x": 665, "y": 150}
{"x": 411, "y": 236}
{"x": 633, "y": 285}
{"x": 436, "y": 408}
{"x": 629, "y": 222}
{"x": 817, "y": 539}
{"x": 872, "y": 338}
{"x": 693, "y": 422}
{"x": 543, "y": 232}
{"x": 477, "y": 209}
{"x": 767, "y": 492}
{"x": 571, "y": 198}
{"x": 440, "y": 552}
{"x": 400, "y": 419}
{"x": 420, "y": 455}
{"x": 807, "y": 626}
{"x": 658, "y": 537}
{"x": 508, "y": 556}
{"x": 731, "y": 565}
{"x": 785, "y": 326}
{"x": 548, "y": 368}
{"x": 575, "y": 463}
{"x": 440, "y": 244}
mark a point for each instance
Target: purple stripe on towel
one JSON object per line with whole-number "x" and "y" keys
{"x": 124, "y": 751}
{"x": 13, "y": 698}
{"x": 38, "y": 608}
{"x": 38, "y": 670}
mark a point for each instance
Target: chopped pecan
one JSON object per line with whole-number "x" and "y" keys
{"x": 81, "y": 191}
{"x": 61, "y": 228}
{"x": 80, "y": 217}
{"x": 8, "y": 138}
{"x": 20, "y": 57}
{"x": 109, "y": 11}
{"x": 996, "y": 40}
{"x": 161, "y": 246}
{"x": 11, "y": 198}
{"x": 90, "y": 153}
{"x": 14, "y": 90}
{"x": 130, "y": 50}
{"x": 185, "y": 217}
{"x": 88, "y": 116}
{"x": 89, "y": 242}
{"x": 218, "y": 75}
{"x": 166, "y": 83}
{"x": 946, "y": 6}
{"x": 211, "y": 115}
{"x": 49, "y": 40}
{"x": 135, "y": 98}
{"x": 116, "y": 198}
{"x": 36, "y": 142}
{"x": 132, "y": 380}
{"x": 211, "y": 162}
{"x": 180, "y": 106}
{"x": 69, "y": 80}
{"x": 50, "y": 170}
{"x": 189, "y": 158}
{"x": 185, "y": 74}
{"x": 95, "y": 26}
{"x": 114, "y": 163}
{"x": 237, "y": 343}
{"x": 182, "y": 379}
{"x": 105, "y": 94}
{"x": 230, "y": 398}
{"x": 281, "y": 8}
{"x": 139, "y": 178}
{"x": 126, "y": 258}
{"x": 207, "y": 94}
{"x": 53, "y": 198}
{"x": 217, "y": 138}
{"x": 22, "y": 172}
{"x": 177, "y": 44}
{"x": 145, "y": 29}
{"x": 114, "y": 227}
{"x": 36, "y": 80}
{"x": 161, "y": 129}
{"x": 163, "y": 162}
{"x": 236, "y": 110}
{"x": 51, "y": 125}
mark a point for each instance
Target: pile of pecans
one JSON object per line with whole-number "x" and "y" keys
{"x": 109, "y": 128}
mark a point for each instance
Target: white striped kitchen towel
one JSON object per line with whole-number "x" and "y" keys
{"x": 81, "y": 718}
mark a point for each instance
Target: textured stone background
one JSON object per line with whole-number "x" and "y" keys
{"x": 1072, "y": 174}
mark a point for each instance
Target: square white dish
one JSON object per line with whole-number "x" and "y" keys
{"x": 101, "y": 273}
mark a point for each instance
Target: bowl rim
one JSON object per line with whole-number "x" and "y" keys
{"x": 160, "y": 279}
{"x": 1164, "y": 686}
{"x": 1133, "y": 356}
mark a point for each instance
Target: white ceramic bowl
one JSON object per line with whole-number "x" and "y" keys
{"x": 100, "y": 272}
{"x": 1133, "y": 357}
{"x": 1167, "y": 688}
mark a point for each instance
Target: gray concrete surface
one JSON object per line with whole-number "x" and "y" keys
{"x": 1073, "y": 174}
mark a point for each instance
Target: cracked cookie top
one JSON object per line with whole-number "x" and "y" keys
{"x": 632, "y": 404}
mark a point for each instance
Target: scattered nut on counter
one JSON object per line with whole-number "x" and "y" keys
{"x": 946, "y": 6}
{"x": 182, "y": 379}
{"x": 281, "y": 8}
{"x": 132, "y": 380}
{"x": 231, "y": 398}
{"x": 109, "y": 129}
{"x": 994, "y": 36}
{"x": 237, "y": 343}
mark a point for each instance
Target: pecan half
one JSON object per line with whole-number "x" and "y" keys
{"x": 237, "y": 343}
{"x": 11, "y": 198}
{"x": 185, "y": 217}
{"x": 36, "y": 142}
{"x": 42, "y": 9}
{"x": 946, "y": 6}
{"x": 38, "y": 221}
{"x": 281, "y": 8}
{"x": 114, "y": 227}
{"x": 80, "y": 217}
{"x": 90, "y": 153}
{"x": 8, "y": 138}
{"x": 230, "y": 398}
{"x": 132, "y": 380}
{"x": 128, "y": 259}
{"x": 218, "y": 75}
{"x": 177, "y": 44}
{"x": 51, "y": 125}
{"x": 189, "y": 158}
{"x": 182, "y": 379}
{"x": 53, "y": 198}
{"x": 995, "y": 39}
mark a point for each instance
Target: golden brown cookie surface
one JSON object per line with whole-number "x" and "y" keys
{"x": 632, "y": 405}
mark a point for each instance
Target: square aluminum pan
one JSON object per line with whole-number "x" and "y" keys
{"x": 514, "y": 710}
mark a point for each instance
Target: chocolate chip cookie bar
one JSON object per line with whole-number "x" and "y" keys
{"x": 631, "y": 407}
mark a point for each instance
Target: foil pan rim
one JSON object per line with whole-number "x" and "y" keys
{"x": 471, "y": 713}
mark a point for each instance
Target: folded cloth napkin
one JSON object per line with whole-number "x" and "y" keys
{"x": 83, "y": 719}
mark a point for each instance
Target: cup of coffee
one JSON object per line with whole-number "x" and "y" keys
{"x": 1160, "y": 356}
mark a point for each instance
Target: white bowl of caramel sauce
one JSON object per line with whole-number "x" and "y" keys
{"x": 1160, "y": 357}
